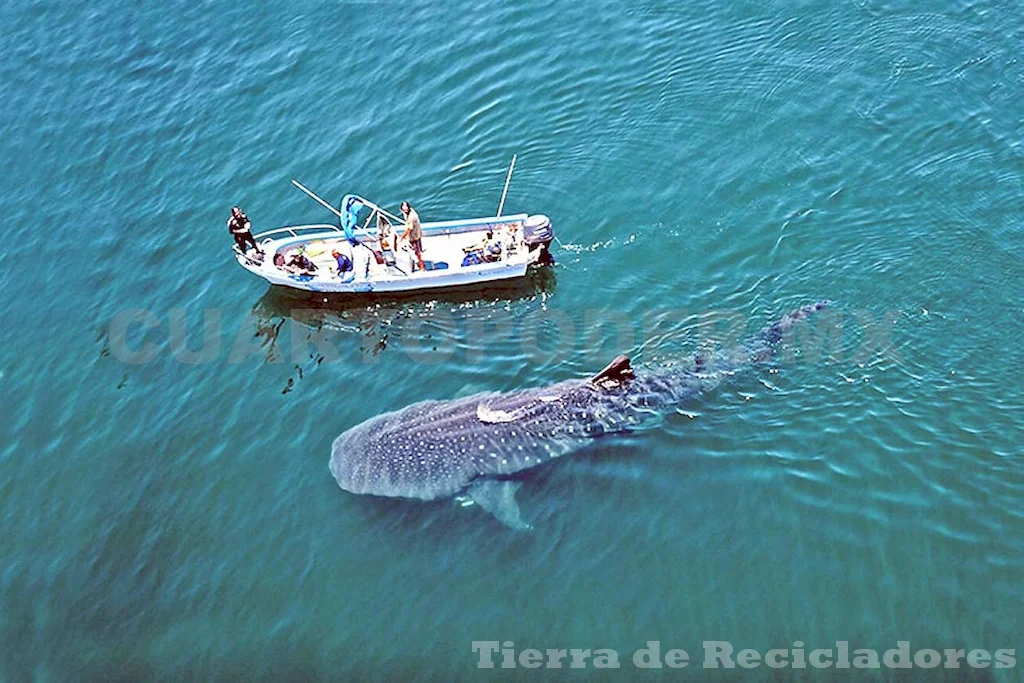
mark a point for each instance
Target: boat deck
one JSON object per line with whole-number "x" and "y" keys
{"x": 445, "y": 246}
{"x": 439, "y": 251}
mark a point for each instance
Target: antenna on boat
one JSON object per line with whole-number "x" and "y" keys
{"x": 508, "y": 179}
{"x": 312, "y": 194}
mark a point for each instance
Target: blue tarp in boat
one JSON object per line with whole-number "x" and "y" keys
{"x": 350, "y": 207}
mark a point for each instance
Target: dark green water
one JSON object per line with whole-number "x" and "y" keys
{"x": 707, "y": 166}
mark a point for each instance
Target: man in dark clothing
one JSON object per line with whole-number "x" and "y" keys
{"x": 240, "y": 228}
{"x": 300, "y": 262}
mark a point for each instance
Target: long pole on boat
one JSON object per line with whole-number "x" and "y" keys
{"x": 508, "y": 179}
{"x": 312, "y": 194}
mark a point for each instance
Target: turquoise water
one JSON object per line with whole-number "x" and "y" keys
{"x": 707, "y": 166}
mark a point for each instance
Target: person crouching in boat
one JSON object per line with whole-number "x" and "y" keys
{"x": 492, "y": 248}
{"x": 344, "y": 264}
{"x": 413, "y": 232}
{"x": 241, "y": 229}
{"x": 300, "y": 264}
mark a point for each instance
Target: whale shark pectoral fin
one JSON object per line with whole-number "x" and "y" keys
{"x": 498, "y": 497}
{"x": 615, "y": 373}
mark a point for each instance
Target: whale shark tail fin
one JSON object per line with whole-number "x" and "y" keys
{"x": 771, "y": 335}
{"x": 774, "y": 332}
{"x": 615, "y": 373}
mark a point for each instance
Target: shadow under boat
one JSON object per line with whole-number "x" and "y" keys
{"x": 370, "y": 317}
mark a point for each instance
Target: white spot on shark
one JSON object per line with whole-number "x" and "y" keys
{"x": 492, "y": 416}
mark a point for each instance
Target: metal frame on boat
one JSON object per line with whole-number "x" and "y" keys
{"x": 456, "y": 252}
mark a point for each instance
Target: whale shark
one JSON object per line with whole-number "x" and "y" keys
{"x": 477, "y": 445}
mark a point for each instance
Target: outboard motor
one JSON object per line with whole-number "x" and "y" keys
{"x": 537, "y": 234}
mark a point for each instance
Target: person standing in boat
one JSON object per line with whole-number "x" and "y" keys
{"x": 241, "y": 229}
{"x": 413, "y": 232}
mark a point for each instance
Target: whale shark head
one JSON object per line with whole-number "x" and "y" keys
{"x": 407, "y": 453}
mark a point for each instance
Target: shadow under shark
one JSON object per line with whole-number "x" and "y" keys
{"x": 475, "y": 445}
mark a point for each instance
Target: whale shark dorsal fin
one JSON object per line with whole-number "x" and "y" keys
{"x": 615, "y": 373}
{"x": 498, "y": 496}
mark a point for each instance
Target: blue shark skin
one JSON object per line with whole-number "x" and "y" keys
{"x": 439, "y": 449}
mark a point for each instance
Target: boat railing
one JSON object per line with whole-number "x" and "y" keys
{"x": 244, "y": 255}
{"x": 471, "y": 224}
{"x": 369, "y": 229}
{"x": 375, "y": 210}
{"x": 296, "y": 230}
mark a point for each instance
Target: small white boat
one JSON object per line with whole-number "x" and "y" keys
{"x": 456, "y": 253}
